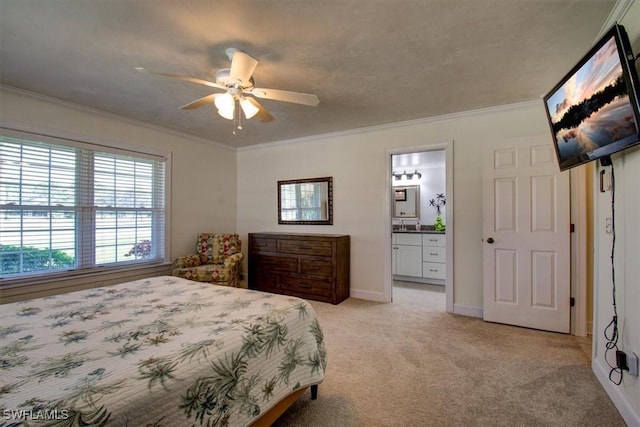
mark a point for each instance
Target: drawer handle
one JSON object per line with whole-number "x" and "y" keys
{"x": 431, "y": 253}
{"x": 306, "y": 248}
{"x": 304, "y": 286}
{"x": 432, "y": 270}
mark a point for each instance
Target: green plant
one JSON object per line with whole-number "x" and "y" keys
{"x": 438, "y": 201}
{"x": 439, "y": 225}
{"x": 33, "y": 259}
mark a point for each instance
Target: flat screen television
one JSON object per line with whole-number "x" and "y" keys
{"x": 593, "y": 111}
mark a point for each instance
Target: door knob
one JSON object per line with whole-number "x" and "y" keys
{"x": 490, "y": 240}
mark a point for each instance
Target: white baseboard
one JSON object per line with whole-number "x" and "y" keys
{"x": 629, "y": 414}
{"x": 368, "y": 295}
{"x": 419, "y": 280}
{"x": 466, "y": 310}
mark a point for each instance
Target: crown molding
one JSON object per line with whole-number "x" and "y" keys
{"x": 112, "y": 116}
{"x": 618, "y": 12}
{"x": 349, "y": 132}
{"x": 413, "y": 122}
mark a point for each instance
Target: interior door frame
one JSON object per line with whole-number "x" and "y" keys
{"x": 388, "y": 214}
{"x": 581, "y": 211}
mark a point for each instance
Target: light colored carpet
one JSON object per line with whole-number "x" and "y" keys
{"x": 409, "y": 363}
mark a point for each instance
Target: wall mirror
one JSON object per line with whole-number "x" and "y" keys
{"x": 306, "y": 201}
{"x": 406, "y": 201}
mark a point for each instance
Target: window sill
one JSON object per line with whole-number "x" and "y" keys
{"x": 19, "y": 289}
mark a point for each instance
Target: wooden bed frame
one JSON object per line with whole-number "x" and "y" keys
{"x": 274, "y": 413}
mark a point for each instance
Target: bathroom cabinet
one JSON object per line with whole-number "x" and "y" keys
{"x": 419, "y": 255}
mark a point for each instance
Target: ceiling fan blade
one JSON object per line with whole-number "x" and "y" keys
{"x": 262, "y": 115}
{"x": 242, "y": 65}
{"x": 201, "y": 102}
{"x": 284, "y": 95}
{"x": 185, "y": 78}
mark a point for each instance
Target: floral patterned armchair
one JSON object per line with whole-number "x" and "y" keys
{"x": 217, "y": 260}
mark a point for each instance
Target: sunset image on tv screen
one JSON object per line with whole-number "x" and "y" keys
{"x": 592, "y": 108}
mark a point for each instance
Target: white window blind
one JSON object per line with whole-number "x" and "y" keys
{"x": 76, "y": 207}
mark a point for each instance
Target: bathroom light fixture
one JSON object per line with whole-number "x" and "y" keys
{"x": 410, "y": 175}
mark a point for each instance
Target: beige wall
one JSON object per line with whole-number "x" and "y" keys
{"x": 357, "y": 164}
{"x": 203, "y": 175}
{"x": 627, "y": 226}
{"x": 217, "y": 189}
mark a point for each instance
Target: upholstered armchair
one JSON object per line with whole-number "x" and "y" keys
{"x": 217, "y": 260}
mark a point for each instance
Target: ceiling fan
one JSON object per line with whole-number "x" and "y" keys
{"x": 237, "y": 82}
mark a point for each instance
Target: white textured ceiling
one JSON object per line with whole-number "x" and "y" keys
{"x": 371, "y": 62}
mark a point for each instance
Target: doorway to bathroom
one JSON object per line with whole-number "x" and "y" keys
{"x": 420, "y": 220}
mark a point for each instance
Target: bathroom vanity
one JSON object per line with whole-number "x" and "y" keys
{"x": 419, "y": 256}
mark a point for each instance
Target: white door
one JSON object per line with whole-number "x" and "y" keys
{"x": 526, "y": 252}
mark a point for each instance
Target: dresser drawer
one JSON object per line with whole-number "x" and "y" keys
{"x": 315, "y": 267}
{"x": 308, "y": 247}
{"x": 434, "y": 270}
{"x": 263, "y": 282}
{"x": 434, "y": 254}
{"x": 304, "y": 285}
{"x": 434, "y": 240}
{"x": 261, "y": 244}
{"x": 275, "y": 263}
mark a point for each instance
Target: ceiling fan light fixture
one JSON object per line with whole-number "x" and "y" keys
{"x": 237, "y": 81}
{"x": 225, "y": 105}
{"x": 248, "y": 108}
{"x": 226, "y": 114}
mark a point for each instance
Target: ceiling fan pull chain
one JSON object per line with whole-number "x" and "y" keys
{"x": 237, "y": 117}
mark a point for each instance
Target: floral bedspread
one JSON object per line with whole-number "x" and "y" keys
{"x": 164, "y": 351}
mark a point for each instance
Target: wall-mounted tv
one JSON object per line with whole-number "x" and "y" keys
{"x": 593, "y": 111}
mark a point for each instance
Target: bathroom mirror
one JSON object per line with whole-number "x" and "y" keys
{"x": 406, "y": 201}
{"x": 306, "y": 201}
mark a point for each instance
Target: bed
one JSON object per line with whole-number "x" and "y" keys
{"x": 161, "y": 351}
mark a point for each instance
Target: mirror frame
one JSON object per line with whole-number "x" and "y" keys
{"x": 398, "y": 193}
{"x": 328, "y": 221}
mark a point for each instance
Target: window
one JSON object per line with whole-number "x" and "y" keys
{"x": 303, "y": 201}
{"x": 66, "y": 205}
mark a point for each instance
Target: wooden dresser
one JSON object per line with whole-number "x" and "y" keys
{"x": 311, "y": 266}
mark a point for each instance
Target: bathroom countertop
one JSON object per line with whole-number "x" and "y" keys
{"x": 419, "y": 231}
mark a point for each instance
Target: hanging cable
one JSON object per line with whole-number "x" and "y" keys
{"x": 611, "y": 331}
